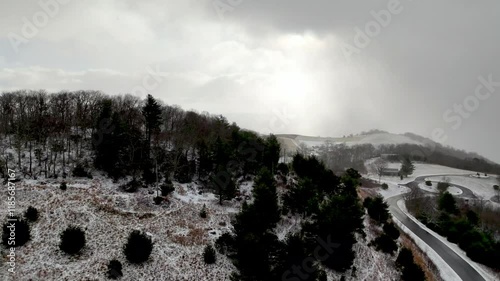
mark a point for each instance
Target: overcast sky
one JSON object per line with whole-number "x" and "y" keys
{"x": 324, "y": 67}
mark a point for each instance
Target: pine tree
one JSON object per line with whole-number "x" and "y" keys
{"x": 407, "y": 167}
{"x": 271, "y": 153}
{"x": 152, "y": 115}
{"x": 138, "y": 248}
{"x": 209, "y": 255}
{"x": 72, "y": 240}
{"x": 447, "y": 203}
{"x": 223, "y": 183}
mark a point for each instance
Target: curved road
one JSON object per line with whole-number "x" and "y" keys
{"x": 459, "y": 265}
{"x": 466, "y": 193}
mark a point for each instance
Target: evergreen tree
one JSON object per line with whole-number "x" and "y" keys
{"x": 302, "y": 198}
{"x": 295, "y": 251}
{"x": 114, "y": 269}
{"x": 271, "y": 153}
{"x": 205, "y": 164}
{"x": 377, "y": 208}
{"x": 223, "y": 183}
{"x": 209, "y": 255}
{"x": 31, "y": 214}
{"x": 256, "y": 248}
{"x": 447, "y": 203}
{"x": 405, "y": 257}
{"x": 391, "y": 230}
{"x": 221, "y": 152}
{"x": 152, "y": 115}
{"x": 343, "y": 214}
{"x": 106, "y": 155}
{"x": 72, "y": 240}
{"x": 265, "y": 205}
{"x": 138, "y": 248}
{"x": 407, "y": 167}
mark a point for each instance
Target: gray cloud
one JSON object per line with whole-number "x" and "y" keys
{"x": 265, "y": 59}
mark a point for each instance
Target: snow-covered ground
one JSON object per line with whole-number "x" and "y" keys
{"x": 393, "y": 190}
{"x": 421, "y": 169}
{"x": 385, "y": 138}
{"x": 108, "y": 216}
{"x": 178, "y": 232}
{"x": 292, "y": 143}
{"x": 433, "y": 188}
{"x": 481, "y": 187}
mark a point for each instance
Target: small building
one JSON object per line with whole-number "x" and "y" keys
{"x": 392, "y": 172}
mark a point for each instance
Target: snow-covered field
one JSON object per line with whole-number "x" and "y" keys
{"x": 433, "y": 188}
{"x": 393, "y": 190}
{"x": 293, "y": 143}
{"x": 421, "y": 169}
{"x": 108, "y": 216}
{"x": 179, "y": 234}
{"x": 481, "y": 187}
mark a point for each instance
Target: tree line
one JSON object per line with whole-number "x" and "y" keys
{"x": 52, "y": 134}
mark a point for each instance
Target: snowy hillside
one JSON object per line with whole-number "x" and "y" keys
{"x": 293, "y": 142}
{"x": 179, "y": 234}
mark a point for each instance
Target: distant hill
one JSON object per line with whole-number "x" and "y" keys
{"x": 350, "y": 151}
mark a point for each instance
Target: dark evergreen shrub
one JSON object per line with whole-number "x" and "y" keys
{"x": 385, "y": 186}
{"x": 428, "y": 183}
{"x": 72, "y": 240}
{"x": 405, "y": 257}
{"x": 63, "y": 186}
{"x": 224, "y": 243}
{"x": 131, "y": 186}
{"x": 79, "y": 171}
{"x": 283, "y": 169}
{"x": 391, "y": 230}
{"x": 158, "y": 200}
{"x": 209, "y": 255}
{"x": 31, "y": 214}
{"x": 167, "y": 188}
{"x": 114, "y": 269}
{"x": 203, "y": 212}
{"x": 15, "y": 233}
{"x": 385, "y": 244}
{"x": 138, "y": 248}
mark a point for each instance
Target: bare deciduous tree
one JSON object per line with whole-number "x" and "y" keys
{"x": 380, "y": 165}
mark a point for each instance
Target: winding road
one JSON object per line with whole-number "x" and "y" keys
{"x": 463, "y": 269}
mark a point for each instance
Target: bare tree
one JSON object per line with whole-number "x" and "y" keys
{"x": 380, "y": 166}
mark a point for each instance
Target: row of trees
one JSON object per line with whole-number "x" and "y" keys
{"x": 52, "y": 134}
{"x": 461, "y": 226}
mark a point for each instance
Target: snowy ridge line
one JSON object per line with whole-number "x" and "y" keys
{"x": 445, "y": 271}
{"x": 450, "y": 245}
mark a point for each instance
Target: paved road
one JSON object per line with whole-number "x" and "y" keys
{"x": 466, "y": 193}
{"x": 459, "y": 265}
